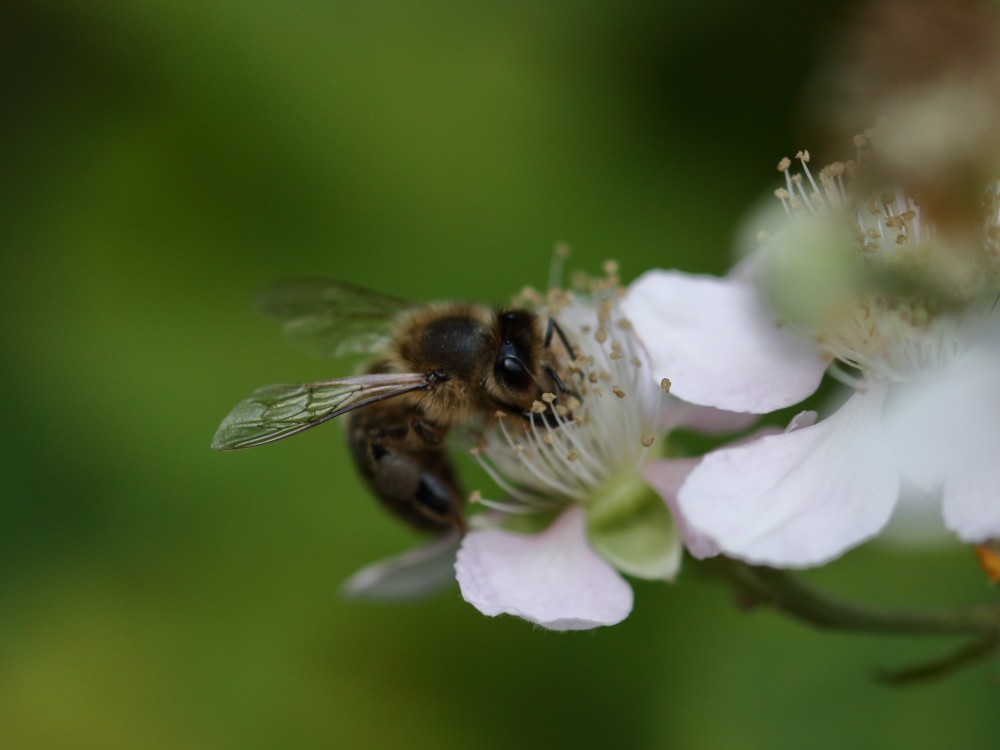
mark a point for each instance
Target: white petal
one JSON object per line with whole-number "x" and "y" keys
{"x": 719, "y": 344}
{"x": 704, "y": 419}
{"x": 552, "y": 579}
{"x": 666, "y": 476}
{"x": 945, "y": 430}
{"x": 971, "y": 504}
{"x": 414, "y": 574}
{"x": 800, "y": 498}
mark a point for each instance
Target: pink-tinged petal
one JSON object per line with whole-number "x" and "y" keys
{"x": 705, "y": 419}
{"x": 666, "y": 476}
{"x": 719, "y": 344}
{"x": 799, "y": 421}
{"x": 552, "y": 579}
{"x": 414, "y": 574}
{"x": 800, "y": 498}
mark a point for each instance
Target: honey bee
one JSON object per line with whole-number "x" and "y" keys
{"x": 432, "y": 367}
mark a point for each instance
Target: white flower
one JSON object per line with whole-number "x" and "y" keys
{"x": 586, "y": 488}
{"x": 574, "y": 475}
{"x": 863, "y": 283}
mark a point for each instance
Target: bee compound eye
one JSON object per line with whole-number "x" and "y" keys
{"x": 512, "y": 372}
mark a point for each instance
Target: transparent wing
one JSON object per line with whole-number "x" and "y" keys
{"x": 274, "y": 412}
{"x": 332, "y": 318}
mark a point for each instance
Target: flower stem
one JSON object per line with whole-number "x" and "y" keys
{"x": 969, "y": 653}
{"x": 788, "y": 594}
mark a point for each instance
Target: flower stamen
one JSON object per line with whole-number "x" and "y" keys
{"x": 575, "y": 443}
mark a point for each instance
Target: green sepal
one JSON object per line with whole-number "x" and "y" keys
{"x": 630, "y": 526}
{"x": 529, "y": 523}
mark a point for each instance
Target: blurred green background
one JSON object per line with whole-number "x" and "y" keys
{"x": 162, "y": 161}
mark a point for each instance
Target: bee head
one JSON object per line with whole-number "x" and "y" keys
{"x": 515, "y": 369}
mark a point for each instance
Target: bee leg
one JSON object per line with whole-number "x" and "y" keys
{"x": 401, "y": 457}
{"x": 553, "y": 327}
{"x": 558, "y": 382}
{"x": 541, "y": 419}
{"x": 438, "y": 501}
{"x": 414, "y": 491}
{"x": 548, "y": 417}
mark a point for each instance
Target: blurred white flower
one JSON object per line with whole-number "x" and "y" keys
{"x": 860, "y": 282}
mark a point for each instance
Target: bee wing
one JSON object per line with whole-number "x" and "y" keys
{"x": 278, "y": 411}
{"x": 332, "y": 318}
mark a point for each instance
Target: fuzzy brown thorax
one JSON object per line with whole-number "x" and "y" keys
{"x": 487, "y": 359}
